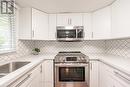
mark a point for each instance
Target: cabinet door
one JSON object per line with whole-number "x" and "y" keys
{"x": 121, "y": 19}
{"x": 118, "y": 84}
{"x": 30, "y": 79}
{"x": 36, "y": 77}
{"x": 76, "y": 19}
{"x": 47, "y": 78}
{"x": 39, "y": 25}
{"x": 105, "y": 77}
{"x": 101, "y": 23}
{"x": 70, "y": 19}
{"x": 25, "y": 20}
{"x": 94, "y": 74}
{"x": 87, "y": 23}
{"x": 52, "y": 26}
{"x": 63, "y": 20}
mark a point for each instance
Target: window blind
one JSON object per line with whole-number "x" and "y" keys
{"x": 7, "y": 33}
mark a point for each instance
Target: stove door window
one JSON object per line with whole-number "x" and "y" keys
{"x": 71, "y": 74}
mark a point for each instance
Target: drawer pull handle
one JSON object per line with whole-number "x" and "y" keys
{"x": 122, "y": 77}
{"x": 28, "y": 76}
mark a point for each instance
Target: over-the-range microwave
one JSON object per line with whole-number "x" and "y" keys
{"x": 70, "y": 33}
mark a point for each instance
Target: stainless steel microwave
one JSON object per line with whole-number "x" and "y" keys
{"x": 69, "y": 33}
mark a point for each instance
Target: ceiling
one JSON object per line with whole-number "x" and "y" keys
{"x": 62, "y": 6}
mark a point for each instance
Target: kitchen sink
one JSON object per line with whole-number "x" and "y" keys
{"x": 10, "y": 67}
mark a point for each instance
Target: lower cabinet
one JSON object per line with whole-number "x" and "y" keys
{"x": 103, "y": 75}
{"x": 40, "y": 76}
{"x": 94, "y": 73}
{"x": 31, "y": 79}
{"x": 110, "y": 77}
{"x": 105, "y": 79}
{"x": 48, "y": 73}
{"x": 36, "y": 78}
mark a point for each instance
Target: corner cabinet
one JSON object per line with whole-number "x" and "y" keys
{"x": 71, "y": 19}
{"x": 111, "y": 77}
{"x": 101, "y": 23}
{"x": 121, "y": 19}
{"x": 33, "y": 24}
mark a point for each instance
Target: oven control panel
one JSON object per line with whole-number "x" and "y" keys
{"x": 71, "y": 59}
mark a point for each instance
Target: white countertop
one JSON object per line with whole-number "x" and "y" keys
{"x": 120, "y": 63}
{"x": 34, "y": 59}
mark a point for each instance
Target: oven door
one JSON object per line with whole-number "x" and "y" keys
{"x": 71, "y": 75}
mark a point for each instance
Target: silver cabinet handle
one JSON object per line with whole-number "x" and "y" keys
{"x": 33, "y": 33}
{"x": 92, "y": 34}
{"x": 91, "y": 66}
{"x": 41, "y": 68}
{"x": 68, "y": 21}
{"x": 122, "y": 76}
{"x": 24, "y": 80}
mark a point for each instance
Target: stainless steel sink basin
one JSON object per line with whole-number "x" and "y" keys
{"x": 17, "y": 65}
{"x": 10, "y": 67}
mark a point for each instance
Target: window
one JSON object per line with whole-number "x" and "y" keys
{"x": 7, "y": 33}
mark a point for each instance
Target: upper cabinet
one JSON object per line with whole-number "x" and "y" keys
{"x": 106, "y": 23}
{"x": 33, "y": 24}
{"x": 121, "y": 19}
{"x": 52, "y": 27}
{"x": 87, "y": 23}
{"x": 72, "y": 19}
{"x": 101, "y": 23}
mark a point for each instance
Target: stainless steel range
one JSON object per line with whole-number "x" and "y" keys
{"x": 71, "y": 69}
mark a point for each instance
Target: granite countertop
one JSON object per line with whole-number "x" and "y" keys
{"x": 120, "y": 63}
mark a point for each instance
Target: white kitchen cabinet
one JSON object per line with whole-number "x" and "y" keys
{"x": 121, "y": 18}
{"x": 39, "y": 25}
{"x": 94, "y": 73}
{"x": 47, "y": 78}
{"x": 52, "y": 26}
{"x": 87, "y": 23}
{"x": 72, "y": 19}
{"x": 33, "y": 24}
{"x": 36, "y": 79}
{"x": 105, "y": 79}
{"x": 108, "y": 77}
{"x": 31, "y": 79}
{"x": 101, "y": 23}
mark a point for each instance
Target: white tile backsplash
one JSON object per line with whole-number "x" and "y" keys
{"x": 23, "y": 48}
{"x": 115, "y": 47}
{"x": 85, "y": 46}
{"x": 118, "y": 47}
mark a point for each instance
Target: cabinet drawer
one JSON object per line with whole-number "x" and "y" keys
{"x": 27, "y": 78}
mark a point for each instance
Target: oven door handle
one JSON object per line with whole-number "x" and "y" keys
{"x": 71, "y": 65}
